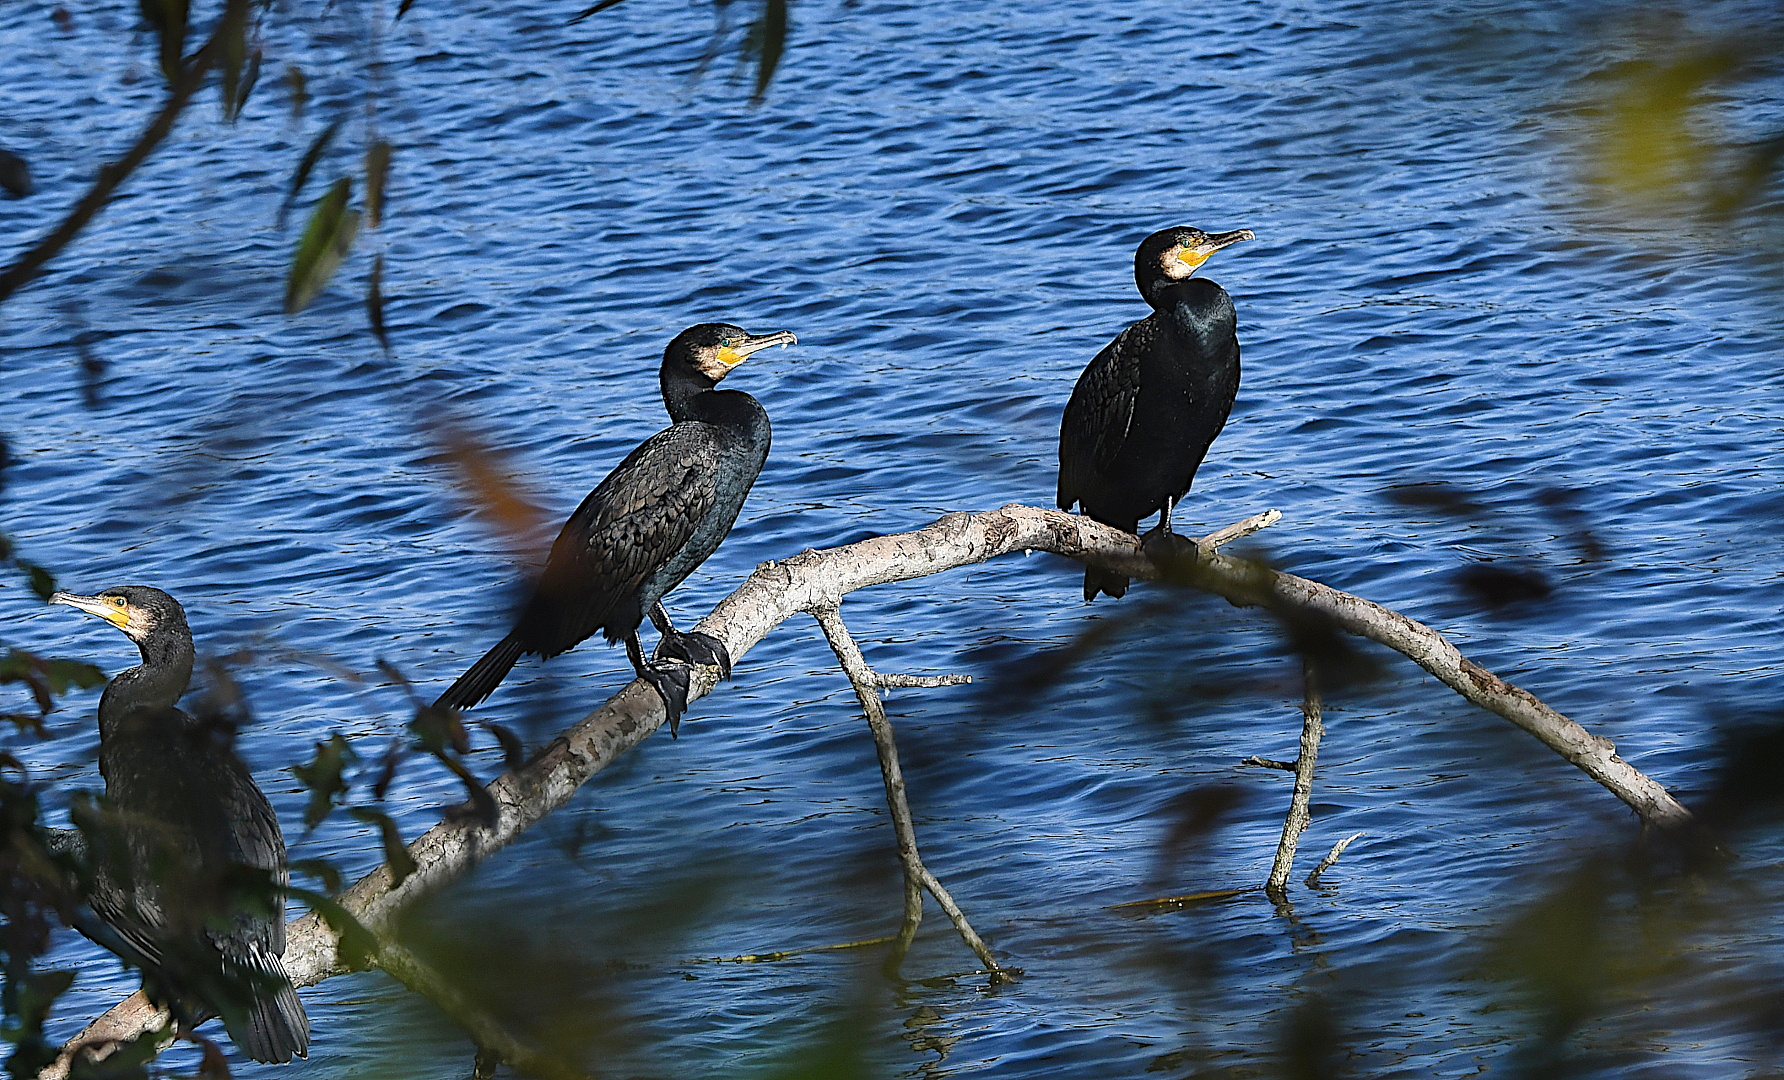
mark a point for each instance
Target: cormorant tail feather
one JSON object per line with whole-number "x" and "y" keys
{"x": 484, "y": 676}
{"x": 276, "y": 1026}
{"x": 1104, "y": 581}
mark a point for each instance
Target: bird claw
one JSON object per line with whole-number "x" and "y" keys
{"x": 671, "y": 682}
{"x": 695, "y": 647}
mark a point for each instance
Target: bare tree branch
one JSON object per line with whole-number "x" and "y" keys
{"x": 1299, "y": 815}
{"x": 112, "y": 174}
{"x": 1330, "y": 860}
{"x": 866, "y": 682}
{"x": 818, "y": 579}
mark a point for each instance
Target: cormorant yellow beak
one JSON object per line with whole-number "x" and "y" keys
{"x": 736, "y": 353}
{"x": 113, "y": 609}
{"x": 1198, "y": 254}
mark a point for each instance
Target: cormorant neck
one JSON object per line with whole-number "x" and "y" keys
{"x": 1165, "y": 293}
{"x": 690, "y": 395}
{"x": 1198, "y": 305}
{"x": 156, "y": 683}
{"x": 685, "y": 391}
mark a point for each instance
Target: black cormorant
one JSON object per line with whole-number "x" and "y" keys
{"x": 1149, "y": 405}
{"x": 188, "y": 859}
{"x": 647, "y": 526}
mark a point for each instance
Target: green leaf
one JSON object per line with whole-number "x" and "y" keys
{"x": 300, "y": 93}
{"x": 377, "y": 168}
{"x": 374, "y": 302}
{"x": 482, "y": 804}
{"x": 323, "y": 248}
{"x": 322, "y": 870}
{"x": 31, "y": 995}
{"x": 65, "y": 673}
{"x": 773, "y": 28}
{"x": 168, "y": 17}
{"x": 15, "y": 665}
{"x": 323, "y": 777}
{"x": 358, "y": 945}
{"x": 437, "y": 728}
{"x": 43, "y": 583}
{"x": 127, "y": 1060}
{"x": 396, "y": 854}
{"x": 301, "y": 175}
{"x": 25, "y": 722}
{"x": 514, "y": 752}
{"x": 232, "y": 35}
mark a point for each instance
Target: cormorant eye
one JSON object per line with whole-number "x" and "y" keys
{"x": 117, "y": 601}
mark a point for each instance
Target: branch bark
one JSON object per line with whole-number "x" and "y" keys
{"x": 1330, "y": 860}
{"x": 817, "y": 579}
{"x": 917, "y": 878}
{"x": 1299, "y": 816}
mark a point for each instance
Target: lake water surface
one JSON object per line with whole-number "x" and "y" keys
{"x": 942, "y": 201}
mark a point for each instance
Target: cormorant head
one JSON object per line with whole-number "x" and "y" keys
{"x": 713, "y": 349}
{"x": 138, "y": 610}
{"x": 1173, "y": 254}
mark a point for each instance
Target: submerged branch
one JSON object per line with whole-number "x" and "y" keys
{"x": 917, "y": 877}
{"x": 1299, "y": 816}
{"x": 815, "y": 580}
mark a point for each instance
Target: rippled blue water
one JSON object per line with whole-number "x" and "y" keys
{"x": 942, "y": 201}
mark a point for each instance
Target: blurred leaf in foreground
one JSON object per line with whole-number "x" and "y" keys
{"x": 305, "y": 165}
{"x": 1660, "y": 131}
{"x": 324, "y": 247}
{"x": 238, "y": 74}
{"x": 377, "y": 169}
{"x": 323, "y": 776}
{"x": 168, "y": 18}
{"x": 396, "y": 854}
{"x": 771, "y": 41}
{"x": 374, "y": 302}
{"x": 495, "y": 492}
{"x": 299, "y": 88}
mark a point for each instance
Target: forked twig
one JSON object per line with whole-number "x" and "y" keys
{"x": 1312, "y": 728}
{"x": 1332, "y": 857}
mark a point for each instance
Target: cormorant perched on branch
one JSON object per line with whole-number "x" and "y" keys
{"x": 187, "y": 858}
{"x": 1149, "y": 405}
{"x": 647, "y": 526}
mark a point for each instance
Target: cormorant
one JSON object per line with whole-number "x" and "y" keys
{"x": 187, "y": 857}
{"x": 656, "y": 517}
{"x": 1149, "y": 405}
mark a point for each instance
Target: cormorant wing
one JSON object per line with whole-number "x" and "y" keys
{"x": 634, "y": 522}
{"x": 256, "y": 842}
{"x": 1099, "y": 413}
{"x": 118, "y": 930}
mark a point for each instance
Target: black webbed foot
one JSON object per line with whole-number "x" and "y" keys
{"x": 1175, "y": 555}
{"x": 670, "y": 680}
{"x": 669, "y": 677}
{"x": 695, "y": 648}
